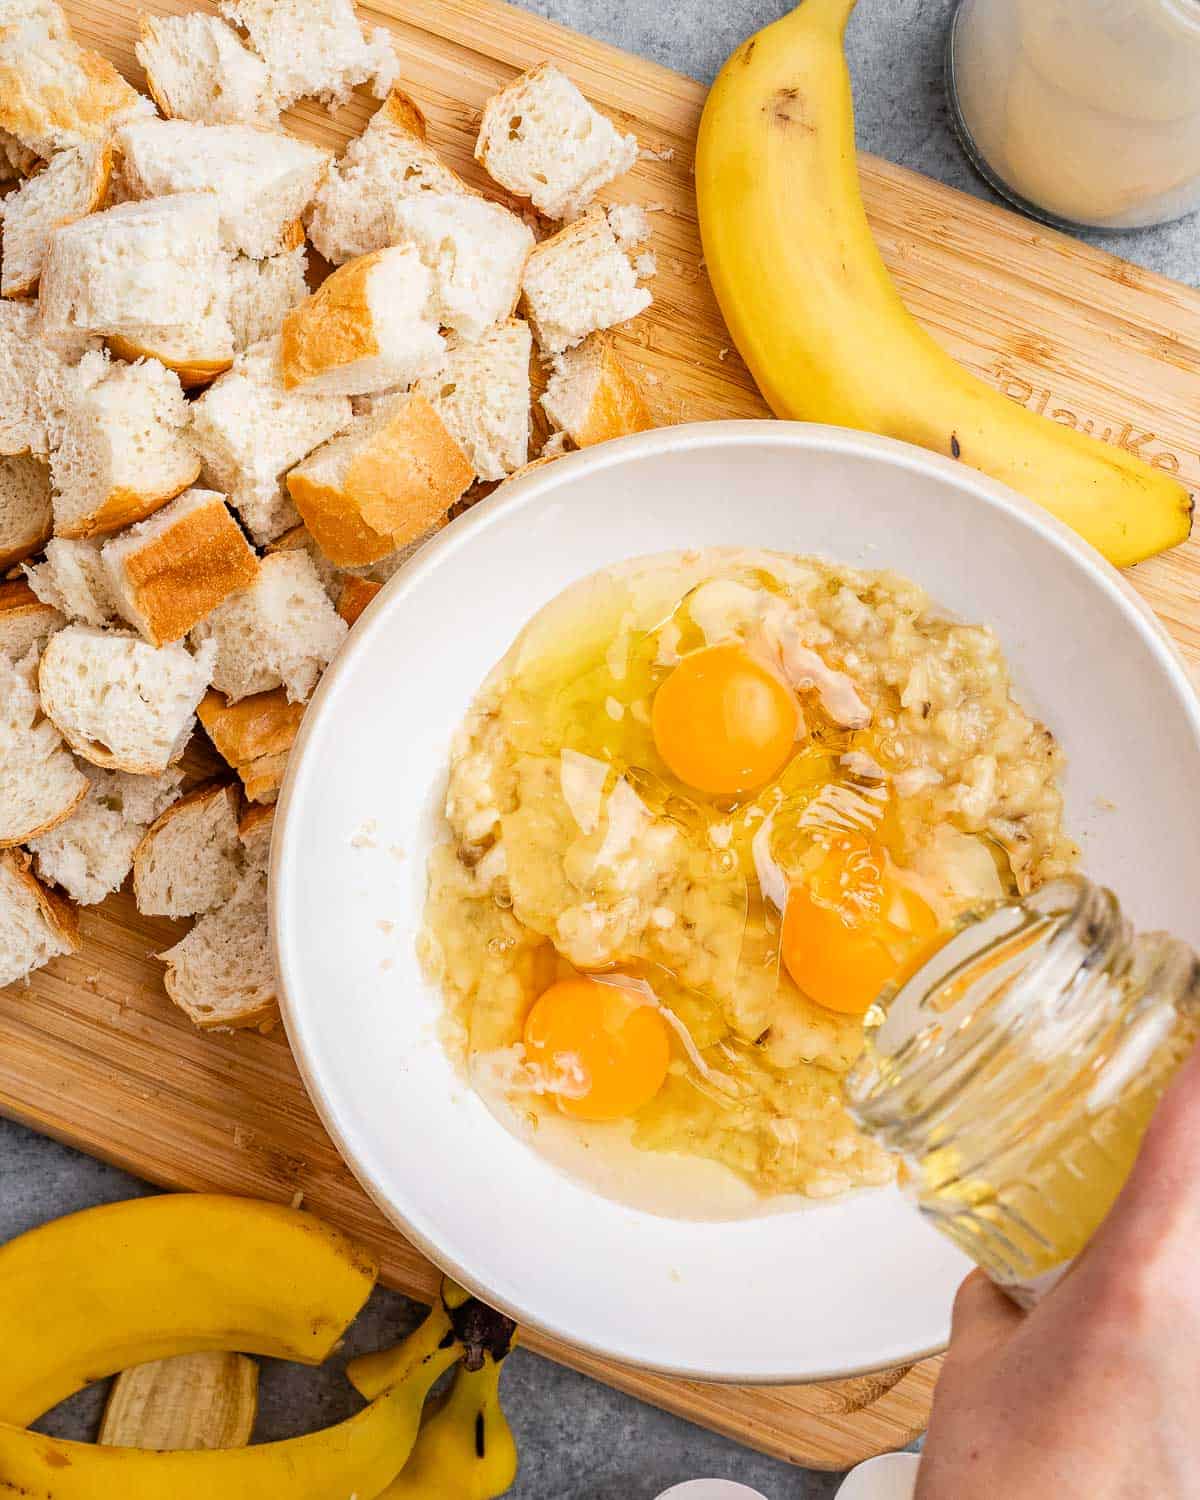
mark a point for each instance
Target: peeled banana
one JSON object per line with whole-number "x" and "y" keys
{"x": 814, "y": 313}
{"x": 359, "y": 1457}
{"x": 112, "y": 1287}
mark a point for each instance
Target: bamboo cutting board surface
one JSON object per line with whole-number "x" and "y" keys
{"x": 93, "y": 1053}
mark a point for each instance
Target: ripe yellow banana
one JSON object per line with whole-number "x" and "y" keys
{"x": 819, "y": 322}
{"x": 112, "y": 1287}
{"x": 465, "y": 1449}
{"x": 359, "y": 1457}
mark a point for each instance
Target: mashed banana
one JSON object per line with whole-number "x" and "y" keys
{"x": 572, "y": 849}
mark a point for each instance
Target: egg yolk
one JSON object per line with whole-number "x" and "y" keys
{"x": 723, "y": 721}
{"x": 605, "y": 1049}
{"x": 851, "y": 927}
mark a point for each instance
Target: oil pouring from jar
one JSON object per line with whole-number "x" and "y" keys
{"x": 1016, "y": 1071}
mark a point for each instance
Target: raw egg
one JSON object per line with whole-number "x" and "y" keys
{"x": 602, "y": 1049}
{"x": 851, "y": 926}
{"x": 723, "y": 722}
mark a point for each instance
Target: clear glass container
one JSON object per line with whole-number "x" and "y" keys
{"x": 1017, "y": 1070}
{"x": 1083, "y": 112}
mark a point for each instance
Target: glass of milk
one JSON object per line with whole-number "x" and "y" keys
{"x": 1085, "y": 113}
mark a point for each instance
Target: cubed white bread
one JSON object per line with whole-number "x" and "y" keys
{"x": 482, "y": 395}
{"x": 630, "y": 222}
{"x": 26, "y": 515}
{"x": 73, "y": 580}
{"x": 73, "y": 184}
{"x": 250, "y": 429}
{"x": 578, "y": 282}
{"x": 198, "y": 69}
{"x": 119, "y": 702}
{"x": 279, "y": 632}
{"x": 353, "y": 212}
{"x": 254, "y": 833}
{"x": 476, "y": 251}
{"x": 151, "y": 277}
{"x": 123, "y": 448}
{"x": 189, "y": 859}
{"x": 369, "y": 327}
{"x": 55, "y": 94}
{"x": 90, "y": 854}
{"x": 254, "y": 737}
{"x": 263, "y": 292}
{"x": 167, "y": 573}
{"x": 263, "y": 179}
{"x": 221, "y": 975}
{"x": 592, "y": 397}
{"x": 299, "y": 538}
{"x": 35, "y": 381}
{"x": 40, "y": 784}
{"x": 26, "y": 624}
{"x": 541, "y": 139}
{"x": 36, "y": 924}
{"x": 315, "y": 47}
{"x": 386, "y": 481}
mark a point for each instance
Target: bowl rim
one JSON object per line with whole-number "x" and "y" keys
{"x": 522, "y": 491}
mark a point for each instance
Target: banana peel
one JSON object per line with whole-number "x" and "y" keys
{"x": 207, "y": 1400}
{"x": 819, "y": 321}
{"x": 100, "y": 1291}
{"x": 359, "y": 1457}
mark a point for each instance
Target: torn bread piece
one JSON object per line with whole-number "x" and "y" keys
{"x": 476, "y": 252}
{"x": 254, "y": 834}
{"x": 40, "y": 784}
{"x": 263, "y": 180}
{"x": 263, "y": 292}
{"x": 188, "y": 860}
{"x": 370, "y": 327}
{"x": 281, "y": 631}
{"x": 122, "y": 451}
{"x": 120, "y": 703}
{"x": 55, "y": 94}
{"x": 482, "y": 395}
{"x": 73, "y": 580}
{"x": 254, "y": 737}
{"x": 90, "y": 855}
{"x": 541, "y": 139}
{"x": 591, "y": 396}
{"x": 221, "y": 975}
{"x": 299, "y": 538}
{"x": 169, "y": 572}
{"x": 198, "y": 69}
{"x": 35, "y": 381}
{"x": 356, "y": 594}
{"x": 26, "y": 624}
{"x": 73, "y": 184}
{"x": 36, "y": 924}
{"x": 250, "y": 429}
{"x": 580, "y": 281}
{"x": 353, "y": 212}
{"x": 390, "y": 478}
{"x": 151, "y": 277}
{"x": 315, "y": 48}
{"x": 630, "y": 223}
{"x": 26, "y": 515}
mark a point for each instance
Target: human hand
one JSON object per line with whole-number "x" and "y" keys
{"x": 1096, "y": 1392}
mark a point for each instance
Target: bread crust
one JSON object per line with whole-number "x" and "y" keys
{"x": 261, "y": 725}
{"x": 403, "y": 111}
{"x": 616, "y": 408}
{"x": 398, "y": 486}
{"x": 253, "y": 819}
{"x": 59, "y": 914}
{"x": 18, "y": 601}
{"x": 262, "y": 778}
{"x": 333, "y": 327}
{"x": 191, "y": 372}
{"x": 32, "y": 543}
{"x": 179, "y": 577}
{"x": 61, "y": 816}
{"x": 356, "y": 594}
{"x": 36, "y": 114}
{"x": 124, "y": 506}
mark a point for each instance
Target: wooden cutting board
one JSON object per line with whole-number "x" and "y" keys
{"x": 92, "y": 1052}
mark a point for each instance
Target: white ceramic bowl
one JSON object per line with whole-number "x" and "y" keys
{"x": 828, "y": 1291}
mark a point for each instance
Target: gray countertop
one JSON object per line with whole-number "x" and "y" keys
{"x": 579, "y": 1440}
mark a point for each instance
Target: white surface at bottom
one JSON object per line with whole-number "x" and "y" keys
{"x": 890, "y": 1477}
{"x": 711, "y": 1489}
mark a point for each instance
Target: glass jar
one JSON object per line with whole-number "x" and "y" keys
{"x": 1017, "y": 1070}
{"x": 1083, "y": 112}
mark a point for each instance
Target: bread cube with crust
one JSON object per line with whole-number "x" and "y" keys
{"x": 26, "y": 515}
{"x": 315, "y": 48}
{"x": 26, "y": 624}
{"x": 73, "y": 580}
{"x": 482, "y": 395}
{"x": 222, "y": 975}
{"x": 72, "y": 185}
{"x": 36, "y": 924}
{"x": 189, "y": 859}
{"x": 40, "y": 784}
{"x": 578, "y": 282}
{"x": 197, "y": 68}
{"x": 592, "y": 397}
{"x": 263, "y": 292}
